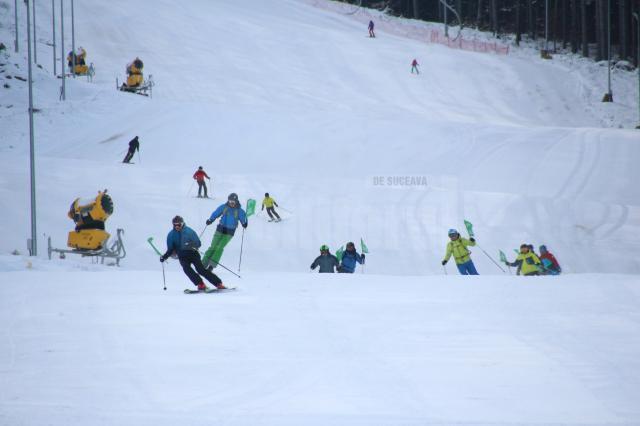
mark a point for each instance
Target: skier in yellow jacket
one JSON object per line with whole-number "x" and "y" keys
{"x": 269, "y": 202}
{"x": 457, "y": 248}
{"x": 527, "y": 262}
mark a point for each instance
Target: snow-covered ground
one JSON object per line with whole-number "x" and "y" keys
{"x": 286, "y": 98}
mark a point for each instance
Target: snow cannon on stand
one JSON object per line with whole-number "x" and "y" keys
{"x": 135, "y": 80}
{"x": 89, "y": 237}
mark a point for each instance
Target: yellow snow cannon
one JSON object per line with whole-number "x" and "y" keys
{"x": 80, "y": 67}
{"x": 89, "y": 217}
{"x": 135, "y": 80}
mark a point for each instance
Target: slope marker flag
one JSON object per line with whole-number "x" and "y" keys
{"x": 363, "y": 246}
{"x": 503, "y": 257}
{"x": 339, "y": 253}
{"x": 251, "y": 206}
{"x": 469, "y": 227}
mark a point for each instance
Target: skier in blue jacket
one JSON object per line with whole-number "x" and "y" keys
{"x": 230, "y": 214}
{"x": 184, "y": 242}
{"x": 349, "y": 259}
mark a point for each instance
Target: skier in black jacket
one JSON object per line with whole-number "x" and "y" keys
{"x": 326, "y": 261}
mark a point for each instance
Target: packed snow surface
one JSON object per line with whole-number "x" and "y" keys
{"x": 290, "y": 99}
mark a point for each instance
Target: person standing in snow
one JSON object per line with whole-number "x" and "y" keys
{"x": 349, "y": 258}
{"x": 184, "y": 242}
{"x": 457, "y": 248}
{"x": 230, "y": 214}
{"x": 549, "y": 262}
{"x": 326, "y": 261}
{"x": 414, "y": 67}
{"x": 200, "y": 176}
{"x": 527, "y": 262}
{"x": 371, "y": 33}
{"x": 269, "y": 202}
{"x": 134, "y": 145}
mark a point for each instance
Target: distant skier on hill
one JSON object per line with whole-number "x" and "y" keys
{"x": 199, "y": 176}
{"x": 414, "y": 67}
{"x": 349, "y": 259}
{"x": 371, "y": 33}
{"x": 134, "y": 145}
{"x": 230, "y": 214}
{"x": 269, "y": 202}
{"x": 326, "y": 261}
{"x": 184, "y": 242}
{"x": 457, "y": 248}
{"x": 527, "y": 262}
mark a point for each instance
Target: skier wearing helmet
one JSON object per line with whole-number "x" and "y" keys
{"x": 184, "y": 242}
{"x": 230, "y": 214}
{"x": 457, "y": 247}
{"x": 326, "y": 261}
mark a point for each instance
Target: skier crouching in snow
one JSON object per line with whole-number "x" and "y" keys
{"x": 269, "y": 202}
{"x": 230, "y": 214}
{"x": 349, "y": 259}
{"x": 457, "y": 248}
{"x": 183, "y": 241}
{"x": 326, "y": 261}
{"x": 549, "y": 262}
{"x": 527, "y": 262}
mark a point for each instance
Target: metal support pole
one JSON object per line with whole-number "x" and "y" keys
{"x": 35, "y": 40}
{"x": 63, "y": 94}
{"x": 53, "y": 27}
{"x": 446, "y": 23}
{"x": 608, "y": 97}
{"x": 16, "y": 22}
{"x": 635, "y": 15}
{"x": 34, "y": 236}
{"x": 73, "y": 41}
{"x": 546, "y": 25}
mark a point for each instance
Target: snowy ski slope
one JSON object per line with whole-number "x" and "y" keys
{"x": 281, "y": 97}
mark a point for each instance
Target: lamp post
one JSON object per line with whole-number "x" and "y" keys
{"x": 16, "y": 21}
{"x": 73, "y": 41}
{"x": 35, "y": 50}
{"x": 53, "y": 26}
{"x": 446, "y": 23}
{"x": 608, "y": 97}
{"x": 546, "y": 25}
{"x": 63, "y": 94}
{"x": 33, "y": 246}
{"x": 635, "y": 15}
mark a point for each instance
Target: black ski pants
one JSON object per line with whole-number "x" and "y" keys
{"x": 202, "y": 184}
{"x": 271, "y": 210}
{"x": 190, "y": 258}
{"x": 129, "y": 155}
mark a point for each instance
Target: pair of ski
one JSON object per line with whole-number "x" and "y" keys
{"x": 209, "y": 290}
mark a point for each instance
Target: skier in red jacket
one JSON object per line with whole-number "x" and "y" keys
{"x": 549, "y": 262}
{"x": 199, "y": 176}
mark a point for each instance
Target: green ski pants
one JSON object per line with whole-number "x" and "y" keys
{"x": 214, "y": 252}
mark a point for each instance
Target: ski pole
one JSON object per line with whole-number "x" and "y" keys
{"x": 241, "y": 245}
{"x": 220, "y": 264}
{"x": 204, "y": 229}
{"x": 445, "y": 270}
{"x": 286, "y": 210}
{"x": 491, "y": 258}
{"x": 164, "y": 281}
{"x": 139, "y": 159}
{"x": 190, "y": 188}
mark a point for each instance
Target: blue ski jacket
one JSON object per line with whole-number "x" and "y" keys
{"x": 183, "y": 240}
{"x": 229, "y": 217}
{"x": 349, "y": 259}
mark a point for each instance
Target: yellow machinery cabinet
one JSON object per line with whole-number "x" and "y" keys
{"x": 87, "y": 239}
